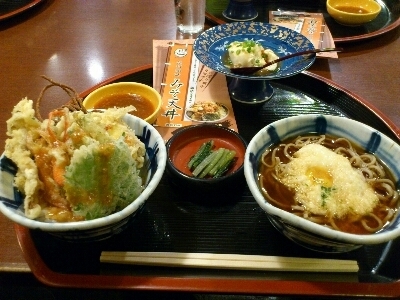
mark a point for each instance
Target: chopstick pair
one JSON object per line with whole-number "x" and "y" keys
{"x": 230, "y": 261}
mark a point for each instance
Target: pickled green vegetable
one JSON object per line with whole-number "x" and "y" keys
{"x": 201, "y": 154}
{"x": 208, "y": 162}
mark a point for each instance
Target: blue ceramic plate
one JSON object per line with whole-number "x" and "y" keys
{"x": 210, "y": 46}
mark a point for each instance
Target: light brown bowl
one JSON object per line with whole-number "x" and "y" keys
{"x": 141, "y": 89}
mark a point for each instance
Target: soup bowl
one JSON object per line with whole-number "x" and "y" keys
{"x": 353, "y": 12}
{"x": 146, "y": 99}
{"x": 298, "y": 229}
{"x": 11, "y": 200}
{"x": 184, "y": 144}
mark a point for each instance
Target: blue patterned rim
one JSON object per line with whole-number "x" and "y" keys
{"x": 210, "y": 46}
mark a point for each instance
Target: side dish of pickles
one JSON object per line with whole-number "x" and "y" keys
{"x": 209, "y": 162}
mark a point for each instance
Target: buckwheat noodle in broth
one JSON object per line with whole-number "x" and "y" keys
{"x": 329, "y": 181}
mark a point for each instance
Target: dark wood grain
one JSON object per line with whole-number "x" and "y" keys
{"x": 83, "y": 43}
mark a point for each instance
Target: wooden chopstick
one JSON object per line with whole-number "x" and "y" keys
{"x": 229, "y": 261}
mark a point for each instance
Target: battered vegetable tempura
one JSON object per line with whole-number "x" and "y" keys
{"x": 74, "y": 166}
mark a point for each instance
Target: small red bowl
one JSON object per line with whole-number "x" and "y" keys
{"x": 185, "y": 143}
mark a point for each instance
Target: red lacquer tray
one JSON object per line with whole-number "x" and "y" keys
{"x": 173, "y": 222}
{"x": 9, "y": 9}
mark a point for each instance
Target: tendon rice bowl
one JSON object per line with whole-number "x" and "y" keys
{"x": 151, "y": 166}
{"x": 74, "y": 166}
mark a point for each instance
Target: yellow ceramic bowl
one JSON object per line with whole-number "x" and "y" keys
{"x": 353, "y": 12}
{"x": 124, "y": 89}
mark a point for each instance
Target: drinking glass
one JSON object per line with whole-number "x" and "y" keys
{"x": 190, "y": 15}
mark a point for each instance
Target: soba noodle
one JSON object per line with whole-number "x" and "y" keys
{"x": 277, "y": 164}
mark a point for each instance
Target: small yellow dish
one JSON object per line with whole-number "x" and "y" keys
{"x": 146, "y": 99}
{"x": 353, "y": 12}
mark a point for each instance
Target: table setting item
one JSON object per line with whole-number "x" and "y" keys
{"x": 229, "y": 261}
{"x": 252, "y": 70}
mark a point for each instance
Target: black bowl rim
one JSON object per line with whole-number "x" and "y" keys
{"x": 176, "y": 171}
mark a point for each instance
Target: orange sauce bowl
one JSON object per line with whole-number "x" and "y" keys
{"x": 353, "y": 12}
{"x": 144, "y": 98}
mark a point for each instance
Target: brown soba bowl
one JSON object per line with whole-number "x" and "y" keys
{"x": 316, "y": 197}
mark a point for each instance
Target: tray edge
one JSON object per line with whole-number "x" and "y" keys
{"x": 219, "y": 285}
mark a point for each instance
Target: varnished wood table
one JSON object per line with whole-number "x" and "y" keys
{"x": 81, "y": 43}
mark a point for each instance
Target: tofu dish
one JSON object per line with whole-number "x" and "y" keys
{"x": 250, "y": 53}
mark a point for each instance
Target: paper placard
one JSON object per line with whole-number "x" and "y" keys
{"x": 311, "y": 25}
{"x": 184, "y": 84}
{"x": 179, "y": 86}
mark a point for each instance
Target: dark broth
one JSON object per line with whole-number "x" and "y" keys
{"x": 285, "y": 197}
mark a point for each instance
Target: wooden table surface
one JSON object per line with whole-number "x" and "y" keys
{"x": 81, "y": 43}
